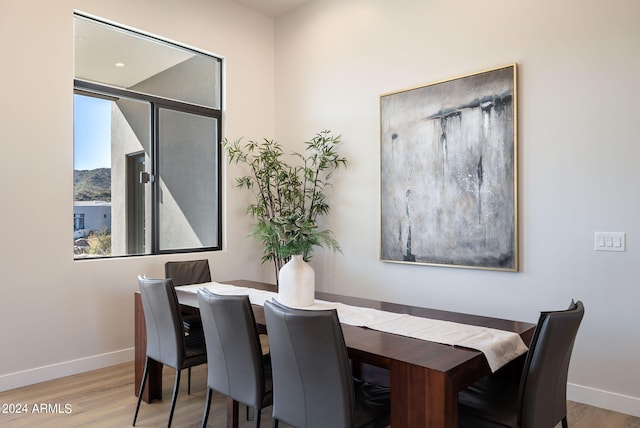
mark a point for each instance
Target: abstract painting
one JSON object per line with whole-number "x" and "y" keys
{"x": 449, "y": 172}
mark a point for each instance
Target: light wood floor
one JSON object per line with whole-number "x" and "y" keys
{"x": 105, "y": 398}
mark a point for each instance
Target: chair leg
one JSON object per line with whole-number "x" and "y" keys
{"x": 145, "y": 373}
{"x": 274, "y": 423}
{"x": 565, "y": 424}
{"x": 176, "y": 386}
{"x": 207, "y": 407}
{"x": 256, "y": 418}
{"x": 189, "y": 381}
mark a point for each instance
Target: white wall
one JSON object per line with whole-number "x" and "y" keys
{"x": 578, "y": 151}
{"x": 59, "y": 316}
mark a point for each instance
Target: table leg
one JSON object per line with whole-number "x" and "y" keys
{"x": 232, "y": 413}
{"x": 422, "y": 398}
{"x": 153, "y": 389}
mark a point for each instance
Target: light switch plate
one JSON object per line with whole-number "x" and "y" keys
{"x": 610, "y": 241}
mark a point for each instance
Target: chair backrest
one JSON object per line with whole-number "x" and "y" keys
{"x": 543, "y": 386}
{"x": 234, "y": 353}
{"x": 188, "y": 272}
{"x": 312, "y": 382}
{"x": 165, "y": 334}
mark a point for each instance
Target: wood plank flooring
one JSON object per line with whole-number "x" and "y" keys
{"x": 104, "y": 398}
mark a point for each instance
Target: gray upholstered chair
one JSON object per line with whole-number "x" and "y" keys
{"x": 312, "y": 382}
{"x": 236, "y": 365}
{"x": 188, "y": 272}
{"x": 166, "y": 339}
{"x": 539, "y": 400}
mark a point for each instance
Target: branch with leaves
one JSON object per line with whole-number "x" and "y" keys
{"x": 288, "y": 198}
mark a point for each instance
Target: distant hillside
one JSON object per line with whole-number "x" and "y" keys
{"x": 92, "y": 185}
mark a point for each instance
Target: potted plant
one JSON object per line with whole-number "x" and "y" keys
{"x": 289, "y": 197}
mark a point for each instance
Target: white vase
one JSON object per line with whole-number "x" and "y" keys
{"x": 296, "y": 283}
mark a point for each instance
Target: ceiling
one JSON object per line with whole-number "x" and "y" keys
{"x": 273, "y": 8}
{"x": 107, "y": 55}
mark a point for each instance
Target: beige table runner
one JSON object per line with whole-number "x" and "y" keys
{"x": 499, "y": 346}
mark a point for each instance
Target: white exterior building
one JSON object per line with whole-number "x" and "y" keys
{"x": 91, "y": 216}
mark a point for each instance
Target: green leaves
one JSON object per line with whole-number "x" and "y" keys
{"x": 288, "y": 197}
{"x": 294, "y": 234}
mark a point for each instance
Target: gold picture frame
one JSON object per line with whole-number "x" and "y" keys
{"x": 449, "y": 173}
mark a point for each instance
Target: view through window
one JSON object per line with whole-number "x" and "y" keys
{"x": 147, "y": 129}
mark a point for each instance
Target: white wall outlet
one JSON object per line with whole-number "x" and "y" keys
{"x": 610, "y": 241}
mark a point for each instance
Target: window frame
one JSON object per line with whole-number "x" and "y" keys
{"x": 93, "y": 89}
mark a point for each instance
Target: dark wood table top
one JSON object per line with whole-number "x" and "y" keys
{"x": 379, "y": 348}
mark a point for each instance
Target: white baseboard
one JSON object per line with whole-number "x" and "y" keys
{"x": 604, "y": 399}
{"x": 66, "y": 368}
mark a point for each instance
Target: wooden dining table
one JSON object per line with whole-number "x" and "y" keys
{"x": 425, "y": 377}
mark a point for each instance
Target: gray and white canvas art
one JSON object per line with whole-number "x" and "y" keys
{"x": 448, "y": 172}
